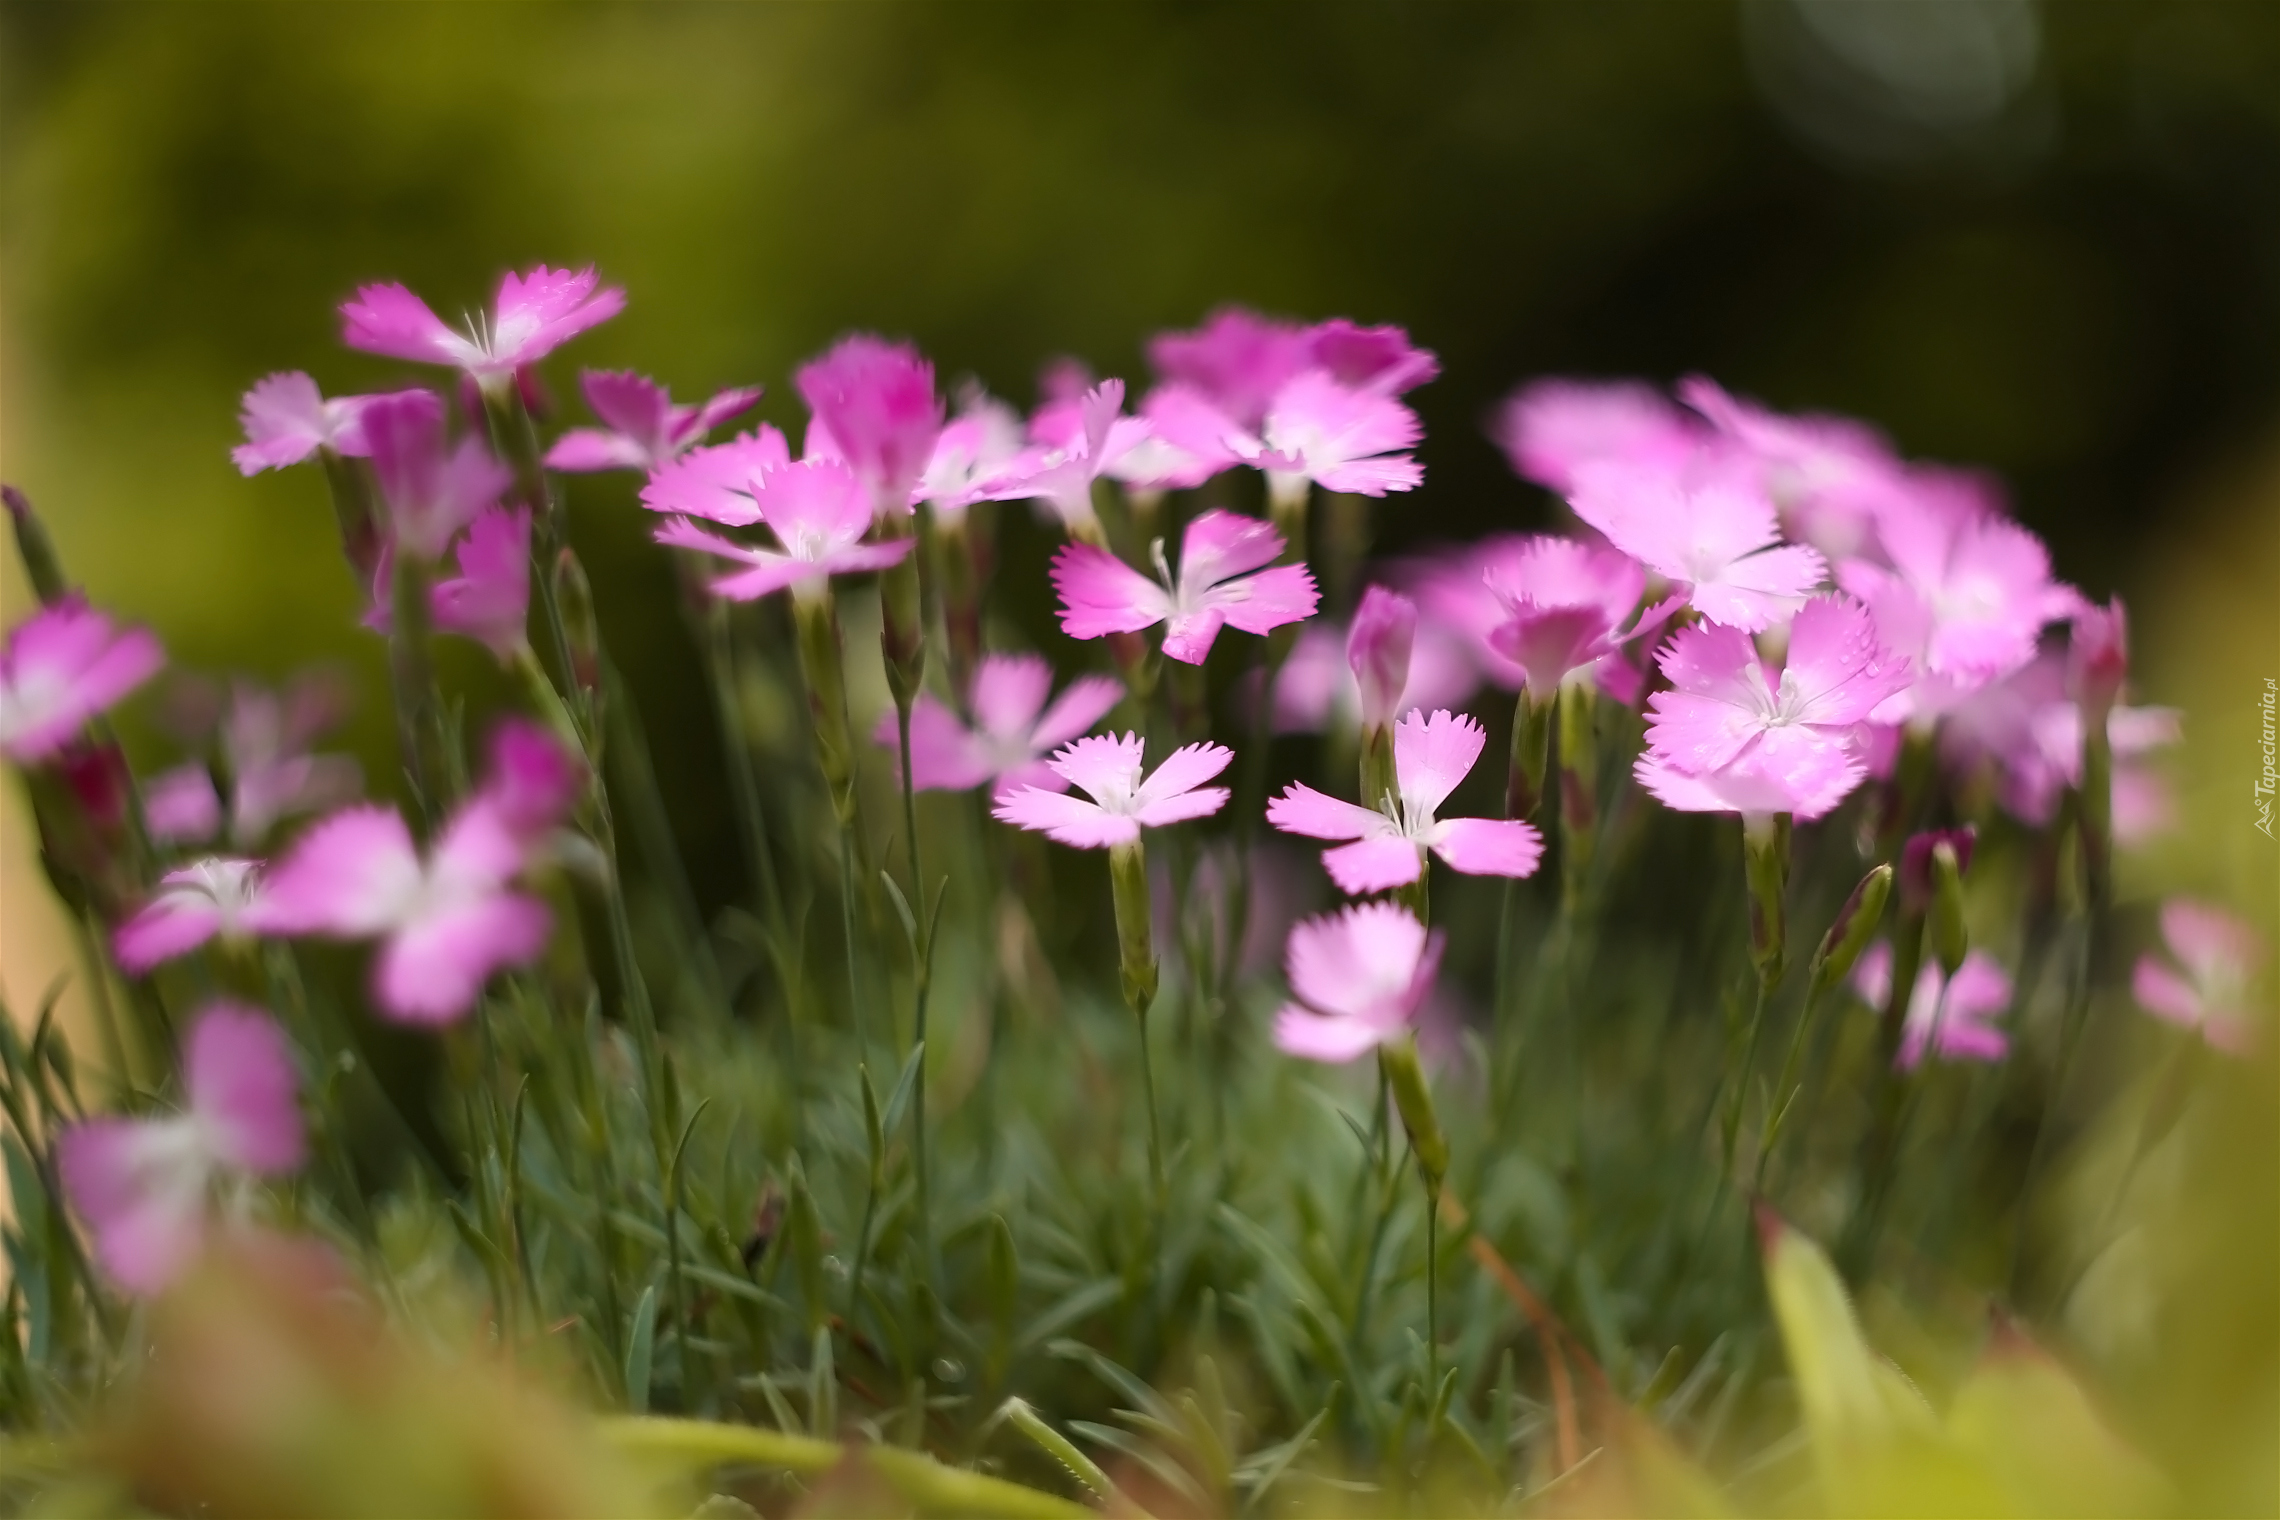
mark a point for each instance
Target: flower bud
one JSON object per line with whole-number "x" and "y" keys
{"x": 581, "y": 629}
{"x": 2098, "y": 657}
{"x": 1855, "y": 925}
{"x": 1765, "y": 852}
{"x": 1135, "y": 935}
{"x": 1413, "y": 1099}
{"x": 1531, "y": 754}
{"x": 41, "y": 567}
{"x": 1916, "y": 880}
{"x": 1950, "y": 940}
{"x": 1377, "y": 648}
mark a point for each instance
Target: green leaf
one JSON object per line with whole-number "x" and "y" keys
{"x": 640, "y": 1348}
{"x": 905, "y": 1084}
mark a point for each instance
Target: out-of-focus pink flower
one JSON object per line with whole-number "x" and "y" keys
{"x": 1714, "y": 535}
{"x": 1380, "y": 359}
{"x": 717, "y": 482}
{"x": 1076, "y": 443}
{"x": 1953, "y": 1018}
{"x": 643, "y": 428}
{"x": 2098, "y": 654}
{"x": 1567, "y": 608}
{"x": 1916, "y": 880}
{"x": 265, "y": 750}
{"x": 1377, "y": 651}
{"x": 1430, "y": 756}
{"x": 142, "y": 1184}
{"x": 1012, "y": 728}
{"x": 533, "y": 780}
{"x": 819, "y": 513}
{"x": 2219, "y": 956}
{"x": 214, "y": 898}
{"x": 1551, "y": 428}
{"x": 977, "y": 446}
{"x": 431, "y": 492}
{"x": 1237, "y": 361}
{"x": 63, "y": 666}
{"x": 1358, "y": 978}
{"x": 1100, "y": 594}
{"x": 180, "y": 806}
{"x": 1454, "y": 594}
{"x": 1832, "y": 478}
{"x": 489, "y": 599}
{"x": 2028, "y": 729}
{"x": 1340, "y": 437}
{"x": 1965, "y": 599}
{"x": 1731, "y": 737}
{"x": 1107, "y": 769}
{"x": 533, "y": 315}
{"x": 286, "y": 419}
{"x": 1316, "y": 691}
{"x": 874, "y": 407}
{"x": 1189, "y": 440}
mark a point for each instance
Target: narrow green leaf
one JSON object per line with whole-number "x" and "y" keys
{"x": 641, "y": 1346}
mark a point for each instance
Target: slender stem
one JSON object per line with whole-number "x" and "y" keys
{"x": 1432, "y": 1288}
{"x": 1155, "y": 1129}
{"x": 847, "y": 933}
{"x": 921, "y": 968}
{"x": 1776, "y": 1121}
{"x": 1737, "y": 1092}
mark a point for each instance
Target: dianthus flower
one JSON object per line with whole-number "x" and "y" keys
{"x": 1236, "y": 361}
{"x": 1100, "y": 594}
{"x": 1549, "y": 429}
{"x": 431, "y": 492}
{"x": 1358, "y": 978}
{"x": 1074, "y": 445}
{"x": 2218, "y": 955}
{"x": 1952, "y": 1018}
{"x": 1012, "y": 728}
{"x": 1317, "y": 692}
{"x": 142, "y": 1184}
{"x": 1340, "y": 437}
{"x": 1710, "y": 533}
{"x": 1107, "y": 769}
{"x": 266, "y": 738}
{"x": 716, "y": 482}
{"x": 533, "y": 315}
{"x": 287, "y": 419}
{"x": 489, "y": 599}
{"x": 819, "y": 513}
{"x": 215, "y": 898}
{"x": 1380, "y": 359}
{"x": 1567, "y": 609}
{"x": 1832, "y": 478}
{"x": 977, "y": 447}
{"x": 1454, "y": 589}
{"x": 874, "y": 408}
{"x": 62, "y": 667}
{"x": 1733, "y": 737}
{"x": 643, "y": 427}
{"x": 1430, "y": 756}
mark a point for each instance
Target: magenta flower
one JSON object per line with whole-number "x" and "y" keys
{"x": 1430, "y": 756}
{"x": 532, "y": 780}
{"x": 1715, "y": 536}
{"x": 874, "y": 407}
{"x": 1380, "y": 359}
{"x": 62, "y": 667}
{"x": 1100, "y": 594}
{"x": 1359, "y": 977}
{"x": 1567, "y": 609}
{"x": 819, "y": 513}
{"x": 1953, "y": 1018}
{"x": 643, "y": 428}
{"x": 142, "y": 1184}
{"x": 1338, "y": 436}
{"x": 1549, "y": 429}
{"x": 431, "y": 492}
{"x": 1378, "y": 650}
{"x": 1106, "y": 768}
{"x": 533, "y": 315}
{"x": 1731, "y": 737}
{"x": 1317, "y": 691}
{"x": 717, "y": 482}
{"x": 286, "y": 419}
{"x": 1077, "y": 443}
{"x": 1455, "y": 589}
{"x": 489, "y": 599}
{"x": 215, "y": 898}
{"x": 1237, "y": 361}
{"x": 1012, "y": 728}
{"x": 2218, "y": 955}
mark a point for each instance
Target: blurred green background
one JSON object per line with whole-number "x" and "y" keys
{"x": 2039, "y": 239}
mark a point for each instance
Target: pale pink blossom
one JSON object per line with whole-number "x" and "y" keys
{"x": 1380, "y": 359}
{"x": 1568, "y": 609}
{"x": 643, "y": 428}
{"x": 1075, "y": 443}
{"x": 63, "y": 667}
{"x": 1732, "y": 736}
{"x": 1237, "y": 361}
{"x": 180, "y": 805}
{"x": 1340, "y": 437}
{"x": 875, "y": 408}
{"x": 489, "y": 599}
{"x": 1708, "y": 532}
{"x": 1378, "y": 650}
{"x": 1551, "y": 428}
{"x": 2029, "y": 731}
{"x": 819, "y": 513}
{"x": 533, "y": 315}
{"x": 1012, "y": 728}
{"x": 215, "y": 898}
{"x": 1955, "y": 1018}
{"x": 1430, "y": 756}
{"x": 1107, "y": 769}
{"x": 977, "y": 446}
{"x": 1316, "y": 691}
{"x": 142, "y": 1185}
{"x": 2098, "y": 652}
{"x": 1358, "y": 978}
{"x": 265, "y": 741}
{"x": 287, "y": 419}
{"x": 1833, "y": 479}
{"x": 1216, "y": 587}
{"x": 2205, "y": 985}
{"x": 717, "y": 482}
{"x": 1455, "y": 592}
{"x": 431, "y": 490}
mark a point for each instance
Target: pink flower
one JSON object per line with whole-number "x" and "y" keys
{"x": 1106, "y": 768}
{"x": 286, "y": 419}
{"x": 431, "y": 493}
{"x": 266, "y": 738}
{"x": 1377, "y": 651}
{"x": 1563, "y": 602}
{"x": 1430, "y": 756}
{"x": 1714, "y": 535}
{"x": 875, "y": 408}
{"x": 180, "y": 806}
{"x": 533, "y": 315}
{"x": 1551, "y": 428}
{"x": 2219, "y": 955}
{"x": 1953, "y": 1018}
{"x": 142, "y": 1184}
{"x": 532, "y": 780}
{"x": 644, "y": 428}
{"x": 1100, "y": 594}
{"x": 1337, "y": 436}
{"x": 1077, "y": 444}
{"x": 1359, "y": 977}
{"x": 1455, "y": 589}
{"x": 1832, "y": 478}
{"x": 819, "y": 513}
{"x": 2031, "y": 732}
{"x": 2098, "y": 653}
{"x": 489, "y": 599}
{"x": 1317, "y": 691}
{"x": 217, "y": 897}
{"x": 977, "y": 446}
{"x": 1012, "y": 728}
{"x": 62, "y": 667}
{"x": 1189, "y": 440}
{"x": 1237, "y": 361}
{"x": 1380, "y": 359}
{"x": 1730, "y": 737}
{"x": 717, "y": 482}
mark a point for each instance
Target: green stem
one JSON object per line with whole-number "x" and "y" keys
{"x": 921, "y": 975}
